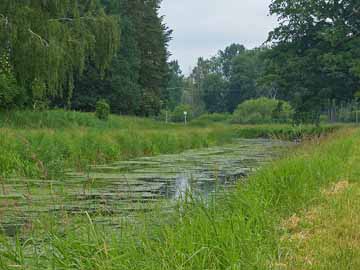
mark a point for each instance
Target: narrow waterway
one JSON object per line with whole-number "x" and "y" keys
{"x": 126, "y": 187}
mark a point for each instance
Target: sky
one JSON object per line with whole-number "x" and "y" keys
{"x": 202, "y": 27}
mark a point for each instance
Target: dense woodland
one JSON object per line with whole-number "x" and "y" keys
{"x": 70, "y": 54}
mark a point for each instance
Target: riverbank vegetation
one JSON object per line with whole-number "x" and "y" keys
{"x": 246, "y": 228}
{"x": 45, "y": 144}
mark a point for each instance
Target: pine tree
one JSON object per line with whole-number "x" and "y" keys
{"x": 137, "y": 79}
{"x": 154, "y": 36}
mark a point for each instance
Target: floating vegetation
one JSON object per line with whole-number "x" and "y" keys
{"x": 126, "y": 187}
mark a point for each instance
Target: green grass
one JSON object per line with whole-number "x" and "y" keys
{"x": 325, "y": 236}
{"x": 239, "y": 230}
{"x": 45, "y": 144}
{"x": 207, "y": 119}
{"x": 58, "y": 119}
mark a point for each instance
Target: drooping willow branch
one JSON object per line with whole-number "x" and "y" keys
{"x": 42, "y": 40}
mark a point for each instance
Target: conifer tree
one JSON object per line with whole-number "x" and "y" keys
{"x": 138, "y": 77}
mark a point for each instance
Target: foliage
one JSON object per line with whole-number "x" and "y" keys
{"x": 178, "y": 114}
{"x": 229, "y": 78}
{"x": 316, "y": 52}
{"x": 263, "y": 111}
{"x": 137, "y": 80}
{"x": 247, "y": 69}
{"x": 48, "y": 42}
{"x": 208, "y": 119}
{"x": 214, "y": 93}
{"x": 312, "y": 62}
{"x": 227, "y": 56}
{"x": 175, "y": 85}
{"x": 102, "y": 110}
{"x": 10, "y": 91}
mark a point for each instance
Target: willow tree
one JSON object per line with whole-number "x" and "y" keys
{"x": 48, "y": 41}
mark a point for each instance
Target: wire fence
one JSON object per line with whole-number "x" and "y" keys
{"x": 344, "y": 112}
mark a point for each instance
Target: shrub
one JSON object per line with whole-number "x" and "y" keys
{"x": 263, "y": 111}
{"x": 178, "y": 114}
{"x": 102, "y": 110}
{"x": 9, "y": 91}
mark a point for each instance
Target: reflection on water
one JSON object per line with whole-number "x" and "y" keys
{"x": 182, "y": 186}
{"x": 124, "y": 187}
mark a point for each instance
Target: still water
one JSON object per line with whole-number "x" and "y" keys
{"x": 127, "y": 187}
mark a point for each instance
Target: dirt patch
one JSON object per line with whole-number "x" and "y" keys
{"x": 291, "y": 223}
{"x": 325, "y": 236}
{"x": 337, "y": 188}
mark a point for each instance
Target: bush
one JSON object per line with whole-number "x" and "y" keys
{"x": 102, "y": 110}
{"x": 178, "y": 114}
{"x": 9, "y": 91}
{"x": 263, "y": 111}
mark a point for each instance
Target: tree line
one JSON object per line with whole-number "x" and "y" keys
{"x": 312, "y": 60}
{"x": 72, "y": 53}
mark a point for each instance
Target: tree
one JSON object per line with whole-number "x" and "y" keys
{"x": 154, "y": 37}
{"x": 247, "y": 68}
{"x": 175, "y": 85}
{"x": 214, "y": 94}
{"x": 315, "y": 57}
{"x": 50, "y": 41}
{"x": 137, "y": 80}
{"x": 227, "y": 79}
{"x": 227, "y": 56}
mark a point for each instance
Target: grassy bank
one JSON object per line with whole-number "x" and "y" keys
{"x": 324, "y": 236}
{"x": 45, "y": 144}
{"x": 241, "y": 230}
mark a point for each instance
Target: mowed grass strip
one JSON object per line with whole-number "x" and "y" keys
{"x": 326, "y": 235}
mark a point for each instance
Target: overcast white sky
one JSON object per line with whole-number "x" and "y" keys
{"x": 202, "y": 27}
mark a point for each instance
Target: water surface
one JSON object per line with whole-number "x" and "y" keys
{"x": 126, "y": 187}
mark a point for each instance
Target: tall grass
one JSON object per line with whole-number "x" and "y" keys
{"x": 45, "y": 144}
{"x": 57, "y": 119}
{"x": 239, "y": 230}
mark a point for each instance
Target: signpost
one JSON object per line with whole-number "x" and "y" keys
{"x": 185, "y": 117}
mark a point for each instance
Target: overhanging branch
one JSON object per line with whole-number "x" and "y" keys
{"x": 42, "y": 40}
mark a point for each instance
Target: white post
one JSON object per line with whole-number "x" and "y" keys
{"x": 185, "y": 117}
